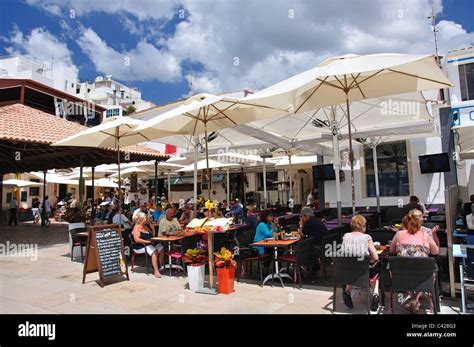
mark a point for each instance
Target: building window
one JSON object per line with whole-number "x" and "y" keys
{"x": 466, "y": 81}
{"x": 392, "y": 169}
{"x": 272, "y": 176}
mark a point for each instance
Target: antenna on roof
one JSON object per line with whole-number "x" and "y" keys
{"x": 435, "y": 31}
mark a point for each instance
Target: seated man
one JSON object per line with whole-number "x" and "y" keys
{"x": 311, "y": 226}
{"x": 158, "y": 213}
{"x": 187, "y": 215}
{"x": 169, "y": 225}
{"x": 236, "y": 210}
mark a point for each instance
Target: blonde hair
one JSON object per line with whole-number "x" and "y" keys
{"x": 358, "y": 222}
{"x": 412, "y": 221}
{"x": 139, "y": 218}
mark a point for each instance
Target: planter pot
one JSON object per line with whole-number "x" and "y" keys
{"x": 225, "y": 279}
{"x": 77, "y": 250}
{"x": 196, "y": 276}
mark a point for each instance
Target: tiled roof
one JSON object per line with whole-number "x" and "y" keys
{"x": 26, "y": 124}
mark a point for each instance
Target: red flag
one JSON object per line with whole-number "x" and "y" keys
{"x": 170, "y": 149}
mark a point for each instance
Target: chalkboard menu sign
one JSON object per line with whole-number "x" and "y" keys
{"x": 109, "y": 248}
{"x": 105, "y": 253}
{"x": 133, "y": 183}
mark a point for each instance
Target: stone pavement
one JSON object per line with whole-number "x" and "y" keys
{"x": 52, "y": 284}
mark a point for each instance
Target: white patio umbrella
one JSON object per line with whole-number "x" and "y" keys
{"x": 206, "y": 164}
{"x": 199, "y": 115}
{"x": 20, "y": 183}
{"x": 349, "y": 78}
{"x": 114, "y": 132}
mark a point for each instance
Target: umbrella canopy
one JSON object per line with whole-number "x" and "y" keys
{"x": 465, "y": 141}
{"x": 284, "y": 162}
{"x": 202, "y": 165}
{"x": 349, "y": 78}
{"x": 20, "y": 183}
{"x": 113, "y": 132}
{"x": 106, "y": 134}
{"x": 132, "y": 170}
{"x": 203, "y": 113}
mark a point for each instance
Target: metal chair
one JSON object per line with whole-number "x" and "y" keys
{"x": 245, "y": 254}
{"x": 77, "y": 241}
{"x": 467, "y": 276}
{"x": 300, "y": 257}
{"x": 133, "y": 253}
{"x": 414, "y": 274}
{"x": 351, "y": 271}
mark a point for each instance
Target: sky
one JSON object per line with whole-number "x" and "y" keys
{"x": 171, "y": 49}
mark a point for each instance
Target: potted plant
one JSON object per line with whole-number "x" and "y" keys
{"x": 225, "y": 266}
{"x": 195, "y": 260}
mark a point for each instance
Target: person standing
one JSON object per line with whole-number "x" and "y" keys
{"x": 47, "y": 209}
{"x": 13, "y": 209}
{"x": 35, "y": 209}
{"x": 310, "y": 198}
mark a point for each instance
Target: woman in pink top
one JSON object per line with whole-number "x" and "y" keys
{"x": 412, "y": 241}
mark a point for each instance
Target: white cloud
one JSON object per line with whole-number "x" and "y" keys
{"x": 144, "y": 62}
{"x": 270, "y": 39}
{"x": 41, "y": 46}
{"x": 142, "y": 9}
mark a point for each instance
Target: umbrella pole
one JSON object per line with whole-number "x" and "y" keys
{"x": 195, "y": 173}
{"x": 291, "y": 181}
{"x": 93, "y": 197}
{"x": 43, "y": 220}
{"x": 156, "y": 183}
{"x": 376, "y": 178}
{"x": 351, "y": 152}
{"x": 264, "y": 183}
{"x": 169, "y": 186}
{"x": 120, "y": 178}
{"x": 228, "y": 186}
{"x": 208, "y": 171}
{"x": 337, "y": 167}
{"x": 210, "y": 238}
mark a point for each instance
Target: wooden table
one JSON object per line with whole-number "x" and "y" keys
{"x": 276, "y": 244}
{"x": 169, "y": 241}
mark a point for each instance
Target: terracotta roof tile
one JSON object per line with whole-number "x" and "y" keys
{"x": 26, "y": 124}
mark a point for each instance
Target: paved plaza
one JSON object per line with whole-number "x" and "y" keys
{"x": 52, "y": 284}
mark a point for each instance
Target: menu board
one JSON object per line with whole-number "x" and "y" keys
{"x": 105, "y": 253}
{"x": 109, "y": 249}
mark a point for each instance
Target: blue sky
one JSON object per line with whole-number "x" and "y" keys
{"x": 182, "y": 47}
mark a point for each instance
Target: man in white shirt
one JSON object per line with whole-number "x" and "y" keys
{"x": 120, "y": 219}
{"x": 13, "y": 207}
{"x": 169, "y": 224}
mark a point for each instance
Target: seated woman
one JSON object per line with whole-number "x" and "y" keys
{"x": 413, "y": 241}
{"x": 142, "y": 237}
{"x": 358, "y": 244}
{"x": 268, "y": 227}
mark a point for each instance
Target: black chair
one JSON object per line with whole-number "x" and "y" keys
{"x": 220, "y": 240}
{"x": 351, "y": 271}
{"x": 133, "y": 253}
{"x": 301, "y": 256}
{"x": 467, "y": 278}
{"x": 78, "y": 241}
{"x": 416, "y": 274}
{"x": 247, "y": 255}
{"x": 329, "y": 242}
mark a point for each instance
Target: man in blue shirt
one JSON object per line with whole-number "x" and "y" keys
{"x": 158, "y": 213}
{"x": 236, "y": 210}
